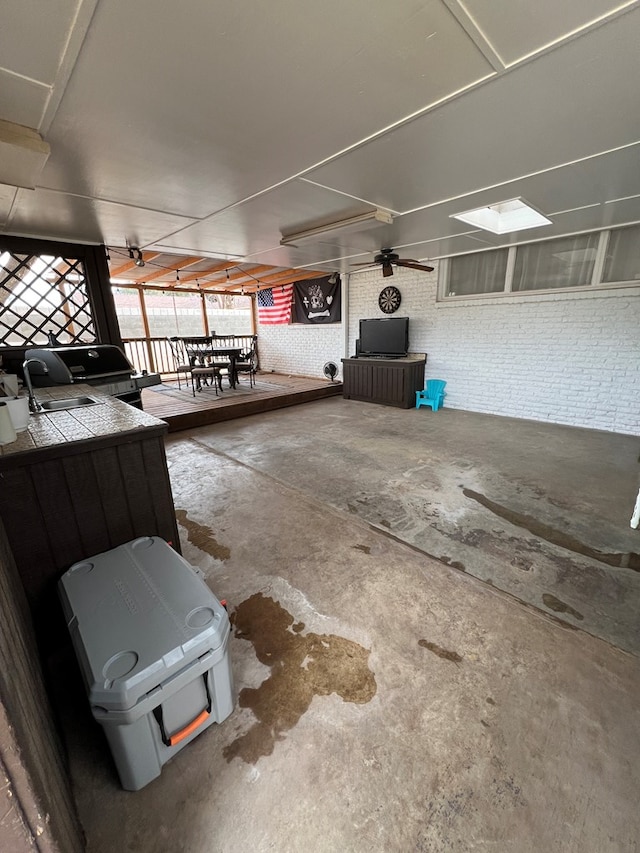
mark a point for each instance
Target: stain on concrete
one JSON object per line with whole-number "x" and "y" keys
{"x": 485, "y": 724}
{"x": 490, "y": 701}
{"x": 445, "y": 654}
{"x": 455, "y": 564}
{"x": 302, "y": 666}
{"x": 522, "y": 563}
{"x": 445, "y": 813}
{"x": 506, "y": 793}
{"x": 202, "y": 537}
{"x": 558, "y": 606}
{"x": 364, "y": 548}
{"x": 555, "y": 537}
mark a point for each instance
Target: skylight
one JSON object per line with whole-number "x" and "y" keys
{"x": 504, "y": 217}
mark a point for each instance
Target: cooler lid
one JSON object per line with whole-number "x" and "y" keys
{"x": 137, "y": 615}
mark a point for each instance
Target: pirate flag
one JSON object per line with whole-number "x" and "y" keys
{"x": 317, "y": 301}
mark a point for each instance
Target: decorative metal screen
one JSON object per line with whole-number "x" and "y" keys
{"x": 43, "y": 296}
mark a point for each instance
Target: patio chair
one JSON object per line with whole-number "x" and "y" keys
{"x": 433, "y": 395}
{"x": 202, "y": 372}
{"x": 201, "y": 368}
{"x": 222, "y": 362}
{"x": 248, "y": 361}
{"x": 181, "y": 363}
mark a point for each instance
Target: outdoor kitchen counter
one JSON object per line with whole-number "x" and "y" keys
{"x": 109, "y": 417}
{"x": 79, "y": 482}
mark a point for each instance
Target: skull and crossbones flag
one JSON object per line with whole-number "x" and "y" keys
{"x": 317, "y": 301}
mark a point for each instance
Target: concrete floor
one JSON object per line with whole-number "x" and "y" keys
{"x": 432, "y": 650}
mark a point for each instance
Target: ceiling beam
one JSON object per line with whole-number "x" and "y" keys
{"x": 147, "y": 257}
{"x": 188, "y": 262}
{"x": 248, "y": 274}
{"x": 226, "y": 265}
{"x": 287, "y": 276}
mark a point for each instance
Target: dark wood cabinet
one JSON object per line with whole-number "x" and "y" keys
{"x": 389, "y": 381}
{"x": 67, "y": 501}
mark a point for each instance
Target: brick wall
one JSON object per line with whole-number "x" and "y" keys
{"x": 570, "y": 358}
{"x": 300, "y": 350}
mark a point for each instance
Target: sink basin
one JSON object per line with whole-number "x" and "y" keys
{"x": 68, "y": 403}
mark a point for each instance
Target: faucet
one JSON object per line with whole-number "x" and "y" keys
{"x": 34, "y": 405}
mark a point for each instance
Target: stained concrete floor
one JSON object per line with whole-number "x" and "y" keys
{"x": 432, "y": 648}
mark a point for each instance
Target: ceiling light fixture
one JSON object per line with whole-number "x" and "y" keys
{"x": 138, "y": 260}
{"x": 333, "y": 278}
{"x": 504, "y": 217}
{"x": 355, "y": 223}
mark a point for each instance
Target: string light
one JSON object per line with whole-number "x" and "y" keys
{"x": 139, "y": 261}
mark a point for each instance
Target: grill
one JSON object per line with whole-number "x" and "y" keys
{"x": 103, "y": 365}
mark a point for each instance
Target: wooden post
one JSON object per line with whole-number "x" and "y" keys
{"x": 205, "y": 319}
{"x": 145, "y": 326}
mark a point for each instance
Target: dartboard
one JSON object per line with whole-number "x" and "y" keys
{"x": 389, "y": 299}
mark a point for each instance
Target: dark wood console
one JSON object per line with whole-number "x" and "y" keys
{"x": 390, "y": 381}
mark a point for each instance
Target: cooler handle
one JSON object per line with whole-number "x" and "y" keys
{"x": 177, "y": 737}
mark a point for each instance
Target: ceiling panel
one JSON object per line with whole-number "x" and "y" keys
{"x": 325, "y": 255}
{"x": 78, "y": 219}
{"x": 258, "y": 224}
{"x": 555, "y": 193}
{"x": 517, "y": 29}
{"x": 33, "y": 36}
{"x": 21, "y": 101}
{"x": 626, "y": 210}
{"x": 200, "y": 105}
{"x": 7, "y": 195}
{"x": 493, "y": 134}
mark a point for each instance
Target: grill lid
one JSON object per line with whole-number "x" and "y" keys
{"x": 67, "y": 365}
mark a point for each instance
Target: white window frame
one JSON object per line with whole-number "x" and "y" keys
{"x": 596, "y": 283}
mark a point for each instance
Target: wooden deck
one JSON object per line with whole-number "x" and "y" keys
{"x": 181, "y": 410}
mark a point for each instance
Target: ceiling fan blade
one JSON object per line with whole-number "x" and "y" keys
{"x": 414, "y": 265}
{"x": 387, "y": 270}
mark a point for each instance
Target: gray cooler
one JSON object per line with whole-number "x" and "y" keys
{"x": 152, "y": 642}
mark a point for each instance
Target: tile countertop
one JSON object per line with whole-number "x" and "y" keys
{"x": 107, "y": 417}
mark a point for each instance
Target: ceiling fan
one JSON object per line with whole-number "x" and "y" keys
{"x": 387, "y": 259}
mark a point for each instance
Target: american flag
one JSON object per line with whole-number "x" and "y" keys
{"x": 274, "y": 304}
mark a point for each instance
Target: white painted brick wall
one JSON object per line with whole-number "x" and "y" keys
{"x": 300, "y": 350}
{"x": 570, "y": 358}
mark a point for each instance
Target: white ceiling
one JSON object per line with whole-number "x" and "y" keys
{"x": 209, "y": 129}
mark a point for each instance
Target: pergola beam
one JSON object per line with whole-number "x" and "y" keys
{"x": 147, "y": 257}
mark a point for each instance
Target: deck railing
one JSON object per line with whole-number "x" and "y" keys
{"x": 155, "y": 354}
{"x": 151, "y": 354}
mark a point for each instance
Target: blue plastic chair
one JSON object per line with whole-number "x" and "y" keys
{"x": 433, "y": 395}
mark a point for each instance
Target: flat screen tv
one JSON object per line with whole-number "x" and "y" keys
{"x": 384, "y": 336}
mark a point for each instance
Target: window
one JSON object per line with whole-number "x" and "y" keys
{"x": 480, "y": 273}
{"x": 622, "y": 262}
{"x": 555, "y": 263}
{"x": 582, "y": 260}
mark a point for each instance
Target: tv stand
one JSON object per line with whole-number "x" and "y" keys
{"x": 389, "y": 381}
